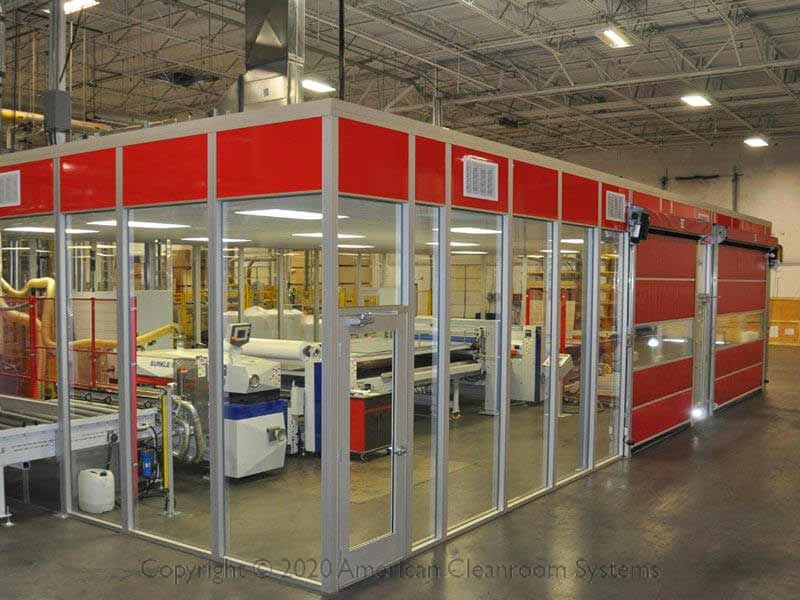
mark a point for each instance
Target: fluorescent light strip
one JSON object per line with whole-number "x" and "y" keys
{"x": 320, "y": 87}
{"x": 140, "y": 225}
{"x": 205, "y": 239}
{"x": 615, "y": 38}
{"x": 696, "y": 100}
{"x": 572, "y": 241}
{"x": 474, "y": 252}
{"x": 32, "y": 229}
{"x": 355, "y": 246}
{"x": 456, "y": 244}
{"x": 74, "y": 6}
{"x": 283, "y": 213}
{"x": 756, "y": 141}
{"x": 341, "y": 236}
{"x": 475, "y": 231}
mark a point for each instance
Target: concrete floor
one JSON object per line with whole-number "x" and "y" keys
{"x": 708, "y": 513}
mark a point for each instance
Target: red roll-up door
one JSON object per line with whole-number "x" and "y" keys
{"x": 741, "y": 307}
{"x": 664, "y": 315}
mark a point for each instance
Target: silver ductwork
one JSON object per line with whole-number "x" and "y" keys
{"x": 274, "y": 56}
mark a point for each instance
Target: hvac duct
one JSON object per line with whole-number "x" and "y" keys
{"x": 274, "y": 56}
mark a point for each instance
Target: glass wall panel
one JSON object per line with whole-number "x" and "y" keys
{"x": 27, "y": 343}
{"x": 611, "y": 345}
{"x": 94, "y": 375}
{"x": 532, "y": 266}
{"x": 426, "y": 380}
{"x": 739, "y": 328}
{"x": 370, "y": 252}
{"x": 172, "y": 461}
{"x": 571, "y": 433}
{"x": 273, "y": 381}
{"x": 475, "y": 349}
{"x": 657, "y": 343}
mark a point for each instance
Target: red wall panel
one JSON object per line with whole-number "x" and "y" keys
{"x": 662, "y": 380}
{"x": 658, "y": 417}
{"x": 740, "y": 296}
{"x": 270, "y": 159}
{"x": 742, "y": 263}
{"x": 664, "y": 300}
{"x": 373, "y": 161}
{"x": 535, "y": 191}
{"x": 173, "y": 170}
{"x": 88, "y": 181}
{"x": 679, "y": 209}
{"x": 733, "y": 386}
{"x": 430, "y": 179}
{"x": 728, "y": 360}
{"x": 36, "y": 188}
{"x": 666, "y": 257}
{"x": 651, "y": 203}
{"x": 618, "y": 225}
{"x": 579, "y": 201}
{"x": 459, "y": 199}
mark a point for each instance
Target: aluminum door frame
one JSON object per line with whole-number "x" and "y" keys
{"x": 371, "y": 557}
{"x": 704, "y": 330}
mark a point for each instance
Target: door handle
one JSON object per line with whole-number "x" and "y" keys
{"x": 399, "y": 451}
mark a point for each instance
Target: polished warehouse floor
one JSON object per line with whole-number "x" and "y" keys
{"x": 709, "y": 513}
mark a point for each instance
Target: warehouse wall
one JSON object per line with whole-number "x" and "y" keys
{"x": 769, "y": 187}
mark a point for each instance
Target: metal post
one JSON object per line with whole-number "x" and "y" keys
{"x": 240, "y": 283}
{"x": 127, "y": 443}
{"x": 216, "y": 304}
{"x": 281, "y": 258}
{"x": 342, "y": 47}
{"x": 506, "y": 268}
{"x": 64, "y": 438}
{"x": 330, "y": 314}
{"x": 442, "y": 416}
{"x": 317, "y": 293}
{"x": 166, "y": 437}
{"x": 197, "y": 296}
{"x": 590, "y": 341}
{"x": 553, "y": 402}
{"x": 409, "y": 297}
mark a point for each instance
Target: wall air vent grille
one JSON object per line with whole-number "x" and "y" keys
{"x": 10, "y": 189}
{"x": 480, "y": 178}
{"x": 615, "y": 207}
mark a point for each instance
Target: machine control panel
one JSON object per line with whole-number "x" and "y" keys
{"x": 239, "y": 334}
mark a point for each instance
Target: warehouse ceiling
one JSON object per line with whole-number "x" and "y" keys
{"x": 533, "y": 74}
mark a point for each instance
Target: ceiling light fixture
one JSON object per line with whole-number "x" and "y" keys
{"x": 473, "y": 252}
{"x": 572, "y": 241}
{"x": 319, "y": 87}
{"x": 205, "y": 239}
{"x": 455, "y": 244}
{"x": 475, "y": 231}
{"x": 140, "y": 225}
{"x": 283, "y": 213}
{"x": 696, "y": 100}
{"x": 73, "y": 6}
{"x": 614, "y": 37}
{"x": 354, "y": 246}
{"x": 341, "y": 236}
{"x": 33, "y": 229}
{"x": 757, "y": 141}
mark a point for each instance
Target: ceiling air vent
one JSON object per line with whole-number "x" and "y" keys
{"x": 615, "y": 207}
{"x": 480, "y": 178}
